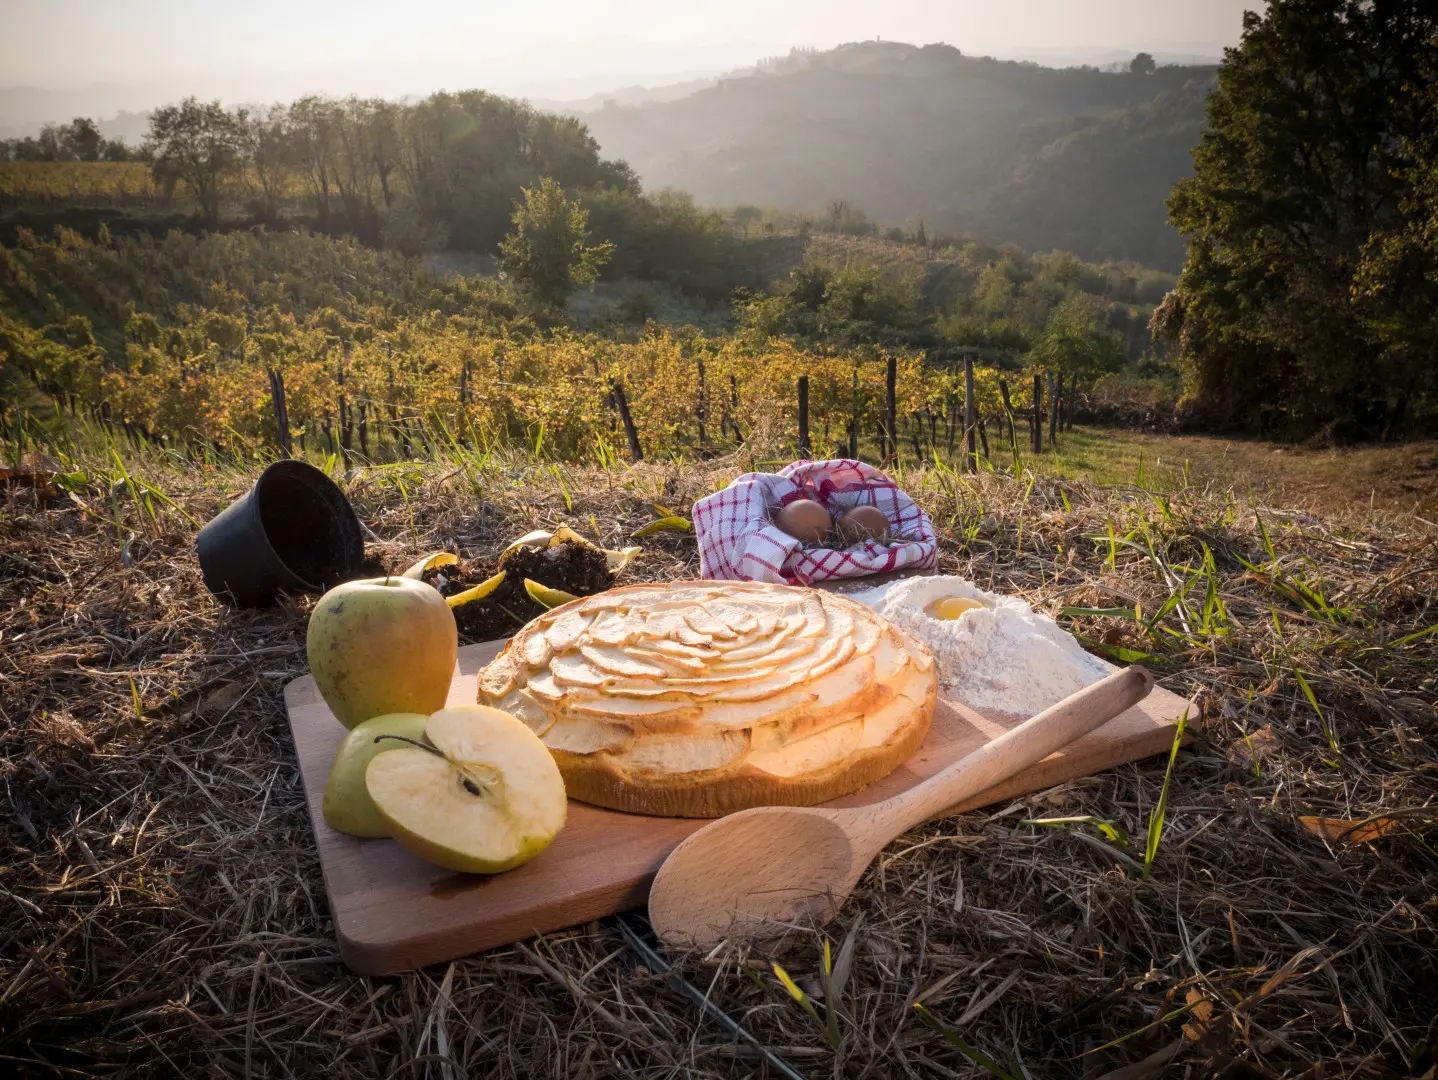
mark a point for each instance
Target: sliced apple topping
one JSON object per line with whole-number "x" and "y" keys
{"x": 700, "y": 679}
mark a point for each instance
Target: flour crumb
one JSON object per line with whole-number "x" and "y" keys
{"x": 1001, "y": 657}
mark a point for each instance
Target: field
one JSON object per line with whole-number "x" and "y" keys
{"x": 83, "y": 182}
{"x": 1342, "y": 482}
{"x": 164, "y": 913}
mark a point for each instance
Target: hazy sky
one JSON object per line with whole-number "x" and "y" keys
{"x": 226, "y": 47}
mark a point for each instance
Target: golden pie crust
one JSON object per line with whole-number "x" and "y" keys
{"x": 698, "y": 698}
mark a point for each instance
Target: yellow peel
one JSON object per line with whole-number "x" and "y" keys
{"x": 543, "y": 538}
{"x": 479, "y": 592}
{"x": 618, "y": 560}
{"x": 538, "y": 538}
{"x": 564, "y": 532}
{"x": 429, "y": 562}
{"x": 546, "y": 597}
{"x": 665, "y": 524}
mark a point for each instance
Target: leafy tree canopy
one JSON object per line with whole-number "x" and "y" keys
{"x": 547, "y": 253}
{"x": 1304, "y": 223}
{"x": 196, "y": 145}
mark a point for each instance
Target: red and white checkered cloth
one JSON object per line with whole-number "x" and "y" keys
{"x": 738, "y": 538}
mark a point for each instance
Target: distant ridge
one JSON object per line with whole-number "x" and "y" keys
{"x": 1076, "y": 159}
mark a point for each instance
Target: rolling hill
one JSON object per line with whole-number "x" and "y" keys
{"x": 1075, "y": 159}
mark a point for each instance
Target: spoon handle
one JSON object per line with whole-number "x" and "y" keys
{"x": 1011, "y": 752}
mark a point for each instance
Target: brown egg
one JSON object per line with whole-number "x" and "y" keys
{"x": 805, "y": 520}
{"x": 864, "y": 523}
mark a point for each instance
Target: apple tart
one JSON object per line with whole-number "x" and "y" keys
{"x": 698, "y": 698}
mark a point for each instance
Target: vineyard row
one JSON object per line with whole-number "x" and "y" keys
{"x": 568, "y": 397}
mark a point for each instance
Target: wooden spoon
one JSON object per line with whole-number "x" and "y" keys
{"x": 754, "y": 873}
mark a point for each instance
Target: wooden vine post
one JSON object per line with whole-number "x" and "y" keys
{"x": 804, "y": 417}
{"x": 1056, "y": 388}
{"x": 702, "y": 411}
{"x": 346, "y": 430}
{"x": 1038, "y": 418}
{"x": 282, "y": 417}
{"x": 631, "y": 433}
{"x": 396, "y": 433}
{"x": 1008, "y": 414}
{"x": 854, "y": 415}
{"x": 970, "y": 418}
{"x": 891, "y": 423}
{"x": 734, "y": 408}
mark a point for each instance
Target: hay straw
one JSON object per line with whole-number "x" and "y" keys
{"x": 163, "y": 911}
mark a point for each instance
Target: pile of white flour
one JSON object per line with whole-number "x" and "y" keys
{"x": 1001, "y": 656}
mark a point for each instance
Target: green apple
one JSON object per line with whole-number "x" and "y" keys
{"x": 382, "y": 645}
{"x": 346, "y": 805}
{"x": 485, "y": 799}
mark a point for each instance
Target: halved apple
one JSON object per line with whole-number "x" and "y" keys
{"x": 346, "y": 805}
{"x": 486, "y": 798}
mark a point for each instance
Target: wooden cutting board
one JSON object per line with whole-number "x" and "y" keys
{"x": 393, "y": 911}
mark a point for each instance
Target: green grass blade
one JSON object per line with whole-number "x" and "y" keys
{"x": 1328, "y": 731}
{"x": 1155, "y": 819}
{"x": 1122, "y": 653}
{"x": 1111, "y": 612}
{"x": 978, "y": 1057}
{"x": 1111, "y": 831}
{"x": 1413, "y": 637}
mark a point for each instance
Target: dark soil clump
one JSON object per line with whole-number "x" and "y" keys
{"x": 575, "y": 568}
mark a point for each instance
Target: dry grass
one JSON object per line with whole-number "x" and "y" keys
{"x": 163, "y": 912}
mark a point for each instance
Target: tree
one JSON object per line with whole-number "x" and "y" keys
{"x": 197, "y": 145}
{"x": 1078, "y": 343}
{"x": 82, "y": 139}
{"x": 745, "y": 215}
{"x": 313, "y": 126}
{"x": 1309, "y": 156}
{"x": 1142, "y": 64}
{"x": 267, "y": 151}
{"x": 547, "y": 252}
{"x": 1396, "y": 288}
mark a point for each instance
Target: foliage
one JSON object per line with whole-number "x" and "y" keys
{"x": 1395, "y": 288}
{"x": 174, "y": 340}
{"x": 845, "y": 305}
{"x": 548, "y": 253}
{"x": 442, "y": 172}
{"x": 1077, "y": 342}
{"x": 79, "y": 140}
{"x": 198, "y": 146}
{"x": 666, "y": 237}
{"x": 1307, "y": 296}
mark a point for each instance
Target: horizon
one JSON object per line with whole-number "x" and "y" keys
{"x": 80, "y": 57}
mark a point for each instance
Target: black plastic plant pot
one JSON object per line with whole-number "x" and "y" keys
{"x": 294, "y": 531}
